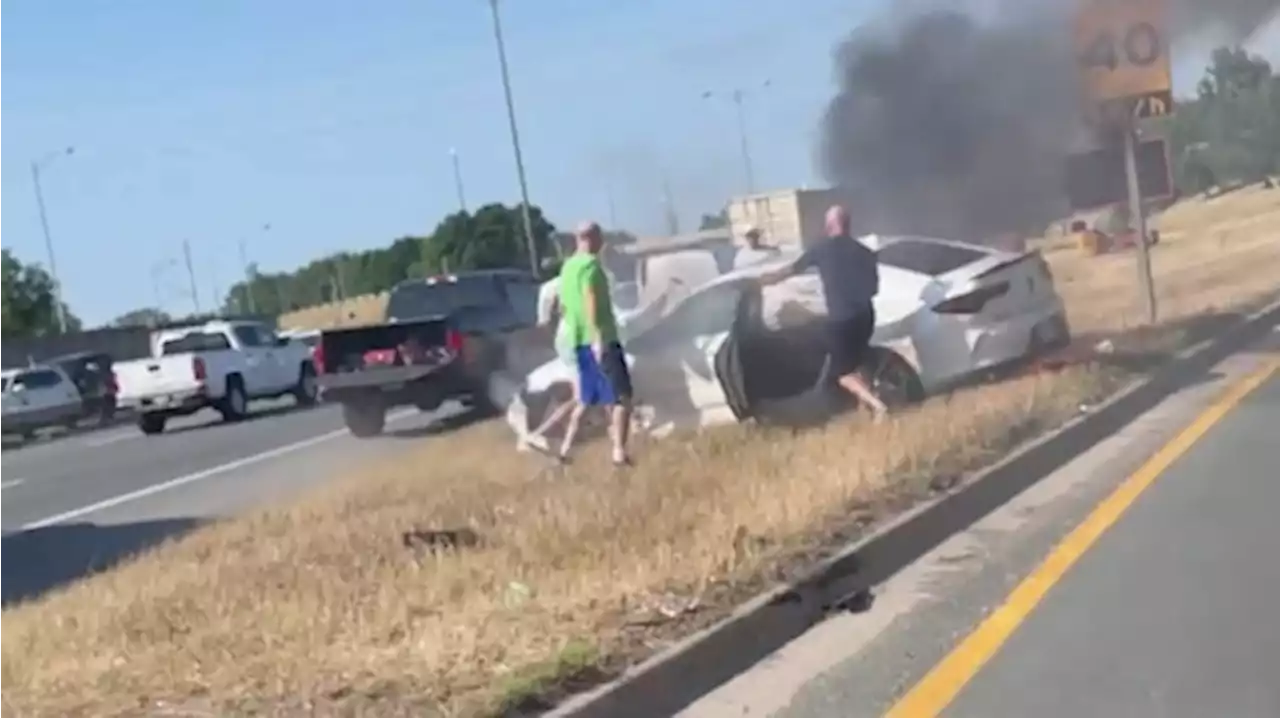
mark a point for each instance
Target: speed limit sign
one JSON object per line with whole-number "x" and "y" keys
{"x": 1122, "y": 53}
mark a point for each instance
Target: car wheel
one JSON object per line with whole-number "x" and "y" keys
{"x": 307, "y": 391}
{"x": 235, "y": 405}
{"x": 151, "y": 424}
{"x": 1049, "y": 335}
{"x": 893, "y": 379}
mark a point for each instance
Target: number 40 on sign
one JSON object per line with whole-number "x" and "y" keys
{"x": 1122, "y": 49}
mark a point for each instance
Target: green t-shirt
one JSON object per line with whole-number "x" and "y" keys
{"x": 580, "y": 272}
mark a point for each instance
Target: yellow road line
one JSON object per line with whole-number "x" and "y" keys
{"x": 941, "y": 685}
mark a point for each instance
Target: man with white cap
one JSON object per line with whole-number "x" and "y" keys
{"x": 755, "y": 251}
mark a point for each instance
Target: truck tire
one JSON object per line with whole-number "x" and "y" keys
{"x": 307, "y": 391}
{"x": 152, "y": 424}
{"x": 364, "y": 420}
{"x": 235, "y": 405}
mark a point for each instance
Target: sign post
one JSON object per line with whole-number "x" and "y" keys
{"x": 1122, "y": 54}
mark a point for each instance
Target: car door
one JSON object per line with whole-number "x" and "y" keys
{"x": 281, "y": 358}
{"x": 673, "y": 360}
{"x": 262, "y": 372}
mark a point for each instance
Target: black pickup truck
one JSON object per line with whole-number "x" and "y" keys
{"x": 441, "y": 339}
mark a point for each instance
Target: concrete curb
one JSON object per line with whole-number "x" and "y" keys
{"x": 673, "y": 679}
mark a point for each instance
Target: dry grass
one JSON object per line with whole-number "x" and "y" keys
{"x": 320, "y": 607}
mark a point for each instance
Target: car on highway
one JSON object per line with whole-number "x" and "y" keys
{"x": 440, "y": 338}
{"x": 37, "y": 397}
{"x": 94, "y": 376}
{"x": 221, "y": 365}
{"x": 730, "y": 351}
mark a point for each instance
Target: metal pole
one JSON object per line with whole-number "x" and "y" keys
{"x": 59, "y": 311}
{"x": 742, "y": 137}
{"x": 1138, "y": 222}
{"x": 526, "y": 216}
{"x": 457, "y": 179}
{"x": 191, "y": 275}
{"x": 248, "y": 305}
{"x": 613, "y": 207}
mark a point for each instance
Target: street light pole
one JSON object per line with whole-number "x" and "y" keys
{"x": 36, "y": 165}
{"x": 738, "y": 97}
{"x": 526, "y": 216}
{"x": 457, "y": 179}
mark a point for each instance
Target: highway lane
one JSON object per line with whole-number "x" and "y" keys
{"x": 65, "y": 480}
{"x": 1166, "y": 610}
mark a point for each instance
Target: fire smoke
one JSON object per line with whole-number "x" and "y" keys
{"x": 956, "y": 122}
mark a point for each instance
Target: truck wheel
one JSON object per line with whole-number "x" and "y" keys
{"x": 364, "y": 420}
{"x": 235, "y": 405}
{"x": 307, "y": 391}
{"x": 151, "y": 424}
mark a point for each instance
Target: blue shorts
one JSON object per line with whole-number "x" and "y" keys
{"x": 605, "y": 382}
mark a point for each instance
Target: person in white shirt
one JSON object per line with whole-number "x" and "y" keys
{"x": 754, "y": 250}
{"x": 548, "y": 312}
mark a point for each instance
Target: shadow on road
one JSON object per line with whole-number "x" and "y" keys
{"x": 444, "y": 425}
{"x": 38, "y": 560}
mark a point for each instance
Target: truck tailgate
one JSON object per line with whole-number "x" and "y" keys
{"x": 149, "y": 377}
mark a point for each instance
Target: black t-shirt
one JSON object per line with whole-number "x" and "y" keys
{"x": 848, "y": 272}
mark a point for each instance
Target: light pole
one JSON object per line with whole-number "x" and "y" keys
{"x": 526, "y": 216}
{"x": 158, "y": 269}
{"x": 737, "y": 96}
{"x": 38, "y": 166}
{"x": 457, "y": 179}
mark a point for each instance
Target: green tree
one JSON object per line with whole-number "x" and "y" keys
{"x": 491, "y": 238}
{"x": 29, "y": 304}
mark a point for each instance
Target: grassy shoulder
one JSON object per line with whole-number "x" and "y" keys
{"x": 324, "y": 607}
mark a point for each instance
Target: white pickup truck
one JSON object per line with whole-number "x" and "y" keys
{"x": 221, "y": 364}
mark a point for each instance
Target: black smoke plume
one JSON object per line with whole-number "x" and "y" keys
{"x": 951, "y": 123}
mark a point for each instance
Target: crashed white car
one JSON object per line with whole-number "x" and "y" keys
{"x": 729, "y": 350}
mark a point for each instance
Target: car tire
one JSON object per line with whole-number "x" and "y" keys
{"x": 893, "y": 379}
{"x": 364, "y": 420}
{"x": 307, "y": 392}
{"x": 152, "y": 424}
{"x": 235, "y": 405}
{"x": 1049, "y": 335}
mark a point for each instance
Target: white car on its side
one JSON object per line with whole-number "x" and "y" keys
{"x": 729, "y": 350}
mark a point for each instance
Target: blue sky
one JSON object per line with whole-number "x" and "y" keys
{"x": 332, "y": 121}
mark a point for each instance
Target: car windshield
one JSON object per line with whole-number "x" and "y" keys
{"x": 195, "y": 342}
{"x": 928, "y": 258}
{"x": 443, "y": 297}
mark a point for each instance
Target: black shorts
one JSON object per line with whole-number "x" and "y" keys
{"x": 848, "y": 341}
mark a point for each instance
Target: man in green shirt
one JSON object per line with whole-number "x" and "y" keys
{"x": 592, "y": 330}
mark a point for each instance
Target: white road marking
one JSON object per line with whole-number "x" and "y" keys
{"x": 12, "y": 483}
{"x": 199, "y": 475}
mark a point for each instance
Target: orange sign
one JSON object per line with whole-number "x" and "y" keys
{"x": 1122, "y": 49}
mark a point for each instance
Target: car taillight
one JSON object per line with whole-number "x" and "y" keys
{"x": 453, "y": 340}
{"x": 972, "y": 302}
{"x": 198, "y": 369}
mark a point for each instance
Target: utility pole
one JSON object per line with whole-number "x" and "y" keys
{"x": 673, "y": 219}
{"x": 457, "y": 179}
{"x": 247, "y": 299}
{"x": 1138, "y": 223}
{"x": 59, "y": 309}
{"x": 526, "y": 216}
{"x": 738, "y": 97}
{"x": 191, "y": 275}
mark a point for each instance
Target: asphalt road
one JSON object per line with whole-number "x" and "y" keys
{"x": 1169, "y": 611}
{"x": 82, "y": 501}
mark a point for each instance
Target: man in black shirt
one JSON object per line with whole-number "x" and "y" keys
{"x": 850, "y": 279}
